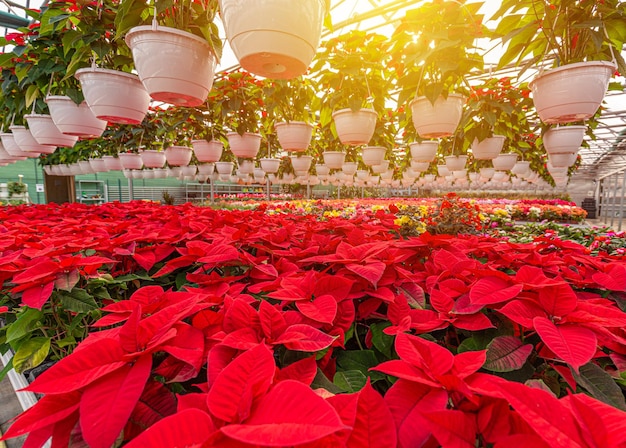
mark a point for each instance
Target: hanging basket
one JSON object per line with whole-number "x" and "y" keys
{"x": 224, "y": 168}
{"x": 294, "y": 136}
{"x": 74, "y": 119}
{"x": 489, "y": 148}
{"x": 112, "y": 163}
{"x": 130, "y": 161}
{"x": 178, "y": 155}
{"x": 504, "y": 162}
{"x": 46, "y": 132}
{"x": 349, "y": 168}
{"x": 301, "y": 163}
{"x": 334, "y": 159}
{"x": 455, "y": 163}
{"x": 572, "y": 92}
{"x": 175, "y": 66}
{"x": 27, "y": 143}
{"x": 564, "y": 140}
{"x": 355, "y": 128}
{"x": 564, "y": 160}
{"x": 424, "y": 151}
{"x": 11, "y": 147}
{"x": 373, "y": 155}
{"x": 273, "y": 38}
{"x": 244, "y": 146}
{"x": 114, "y": 96}
{"x": 438, "y": 120}
{"x": 152, "y": 158}
{"x": 270, "y": 165}
{"x": 207, "y": 151}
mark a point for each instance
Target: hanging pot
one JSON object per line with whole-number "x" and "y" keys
{"x": 349, "y": 168}
{"x": 224, "y": 168}
{"x": 270, "y": 165}
{"x": 74, "y": 119}
{"x": 153, "y": 158}
{"x": 504, "y": 162}
{"x": 564, "y": 160}
{"x": 572, "y": 92}
{"x": 419, "y": 166}
{"x": 244, "y": 146}
{"x": 301, "y": 163}
{"x": 46, "y": 132}
{"x": 424, "y": 151}
{"x": 334, "y": 159}
{"x": 112, "y": 163}
{"x": 175, "y": 66}
{"x": 521, "y": 168}
{"x": 455, "y": 163}
{"x": 113, "y": 95}
{"x": 178, "y": 155}
{"x": 373, "y": 155}
{"x": 8, "y": 141}
{"x": 27, "y": 142}
{"x": 98, "y": 165}
{"x": 273, "y": 39}
{"x": 488, "y": 148}
{"x": 322, "y": 170}
{"x": 294, "y": 136}
{"x": 207, "y": 151}
{"x": 563, "y": 140}
{"x": 130, "y": 161}
{"x": 379, "y": 169}
{"x": 437, "y": 120}
{"x": 355, "y": 128}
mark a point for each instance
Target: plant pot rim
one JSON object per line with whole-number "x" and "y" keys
{"x": 578, "y": 126}
{"x": 200, "y": 140}
{"x": 300, "y": 156}
{"x": 15, "y": 126}
{"x": 423, "y": 97}
{"x": 456, "y": 156}
{"x": 348, "y": 110}
{"x": 58, "y": 97}
{"x": 425, "y": 142}
{"x": 164, "y": 29}
{"x": 151, "y": 151}
{"x": 38, "y": 116}
{"x": 607, "y": 64}
{"x": 296, "y": 122}
{"x": 245, "y": 133}
{"x": 333, "y": 152}
{"x": 108, "y": 71}
{"x": 374, "y": 147}
{"x": 178, "y": 147}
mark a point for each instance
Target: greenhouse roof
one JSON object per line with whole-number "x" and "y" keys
{"x": 605, "y": 155}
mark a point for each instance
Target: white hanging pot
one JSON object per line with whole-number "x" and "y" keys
{"x": 373, "y": 155}
{"x": 379, "y": 169}
{"x": 27, "y": 142}
{"x": 362, "y": 174}
{"x": 302, "y": 163}
{"x": 489, "y": 148}
{"x": 270, "y": 165}
{"x": 178, "y": 155}
{"x": 274, "y": 39}
{"x": 244, "y": 146}
{"x": 113, "y": 95}
{"x": 424, "y": 151}
{"x": 504, "y": 162}
{"x": 246, "y": 167}
{"x": 572, "y": 92}
{"x": 419, "y": 166}
{"x": 564, "y": 160}
{"x": 11, "y": 147}
{"x": 334, "y": 159}
{"x": 294, "y": 136}
{"x": 112, "y": 163}
{"x": 455, "y": 163}
{"x": 74, "y": 119}
{"x": 206, "y": 169}
{"x": 225, "y": 168}
{"x": 565, "y": 139}
{"x": 437, "y": 120}
{"x": 175, "y": 66}
{"x": 521, "y": 168}
{"x": 443, "y": 170}
{"x": 207, "y": 151}
{"x": 349, "y": 168}
{"x": 97, "y": 165}
{"x": 355, "y": 128}
{"x": 46, "y": 132}
{"x": 153, "y": 158}
{"x": 130, "y": 161}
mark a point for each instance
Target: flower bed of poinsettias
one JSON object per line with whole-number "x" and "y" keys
{"x": 246, "y": 329}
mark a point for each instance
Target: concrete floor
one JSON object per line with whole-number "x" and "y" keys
{"x": 9, "y": 409}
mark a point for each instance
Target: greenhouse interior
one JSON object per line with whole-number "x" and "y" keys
{"x": 313, "y": 223}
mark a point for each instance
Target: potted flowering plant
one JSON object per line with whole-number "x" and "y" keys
{"x": 176, "y": 55}
{"x": 496, "y": 111}
{"x": 582, "y": 39}
{"x": 353, "y": 71}
{"x": 237, "y": 99}
{"x": 290, "y": 111}
{"x": 433, "y": 50}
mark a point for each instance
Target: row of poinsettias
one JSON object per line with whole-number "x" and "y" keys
{"x": 286, "y": 331}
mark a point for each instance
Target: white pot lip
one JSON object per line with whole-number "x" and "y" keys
{"x": 424, "y": 98}
{"x": 58, "y": 98}
{"x": 373, "y": 147}
{"x": 295, "y": 123}
{"x": 456, "y": 157}
{"x": 202, "y": 140}
{"x": 269, "y": 159}
{"x": 133, "y": 154}
{"x": 99, "y": 70}
{"x": 510, "y": 154}
{"x": 563, "y": 128}
{"x": 347, "y": 110}
{"x": 233, "y": 133}
{"x": 163, "y": 29}
{"x": 151, "y": 151}
{"x": 425, "y": 142}
{"x": 46, "y": 116}
{"x": 19, "y": 127}
{"x": 585, "y": 64}
{"x": 178, "y": 147}
{"x": 301, "y": 157}
{"x": 333, "y": 152}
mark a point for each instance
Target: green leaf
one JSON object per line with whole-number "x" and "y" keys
{"x": 26, "y": 322}
{"x": 6, "y": 369}
{"x": 381, "y": 341}
{"x": 361, "y": 360}
{"x": 600, "y": 385}
{"x": 31, "y": 353}
{"x": 350, "y": 380}
{"x": 506, "y": 354}
{"x": 78, "y": 301}
{"x": 320, "y": 381}
{"x": 470, "y": 345}
{"x": 32, "y": 92}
